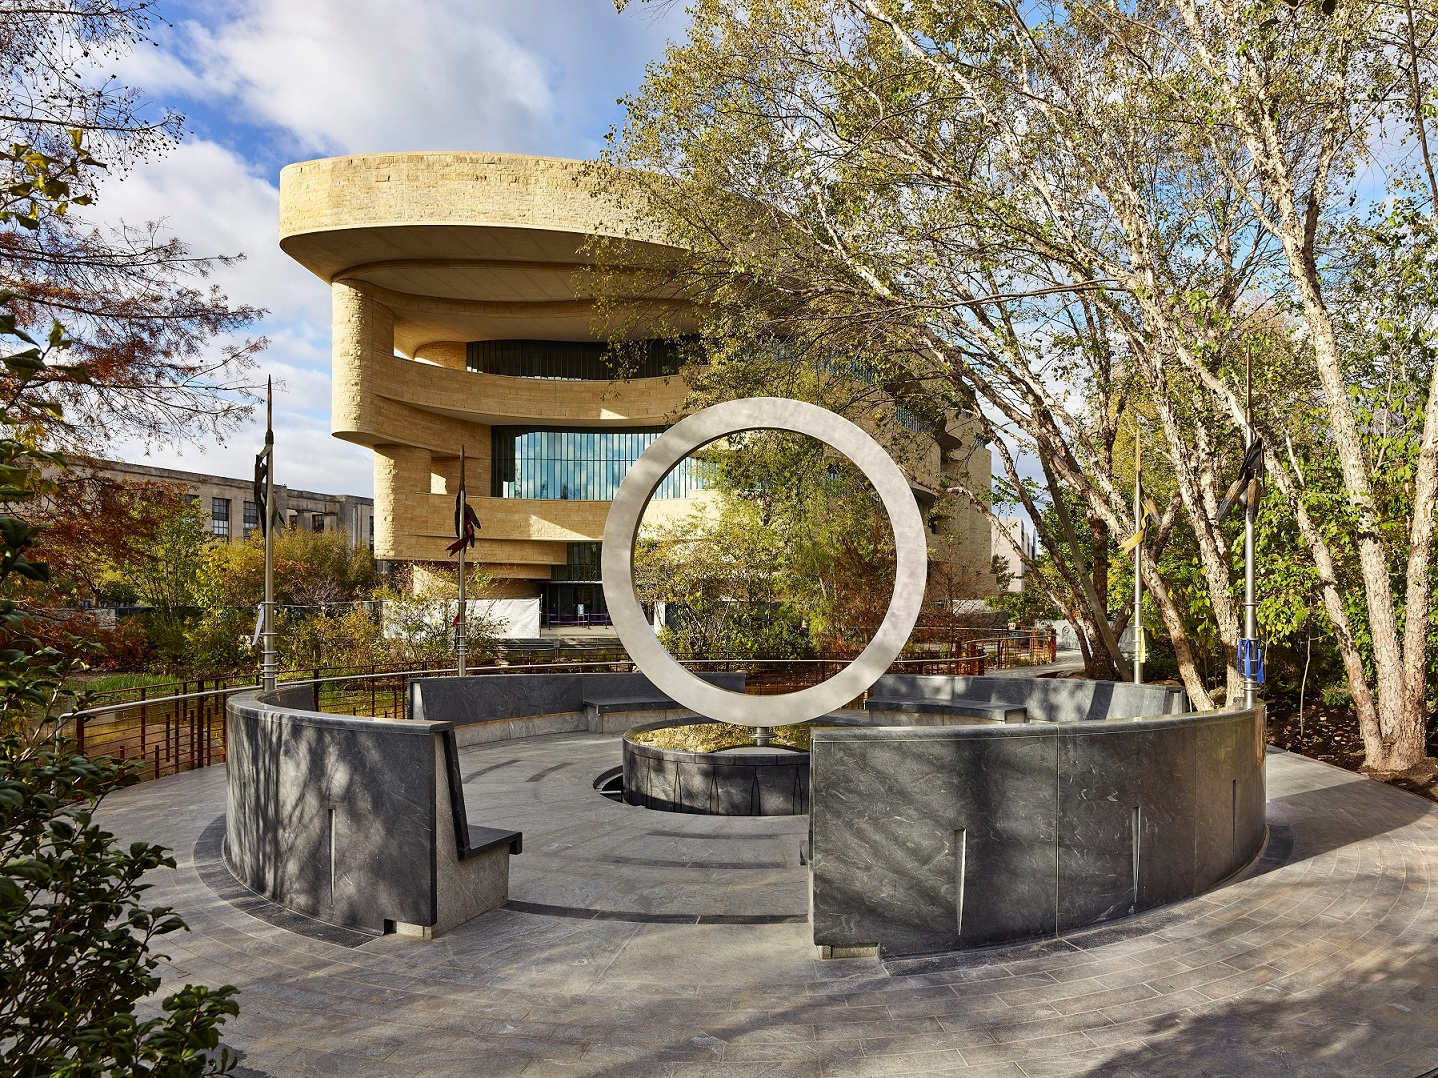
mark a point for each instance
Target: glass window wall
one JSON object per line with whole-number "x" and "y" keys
{"x": 574, "y": 361}
{"x": 578, "y": 465}
{"x": 220, "y": 517}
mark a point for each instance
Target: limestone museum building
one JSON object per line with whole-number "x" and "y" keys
{"x": 462, "y": 317}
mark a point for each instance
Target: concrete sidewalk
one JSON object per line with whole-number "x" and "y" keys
{"x": 1322, "y": 960}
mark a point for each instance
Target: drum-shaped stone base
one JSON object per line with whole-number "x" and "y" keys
{"x": 748, "y": 781}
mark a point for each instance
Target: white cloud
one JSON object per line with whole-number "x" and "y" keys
{"x": 353, "y": 76}
{"x": 284, "y": 79}
{"x": 343, "y": 75}
{"x": 218, "y": 204}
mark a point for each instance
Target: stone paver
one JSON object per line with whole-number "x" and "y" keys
{"x": 584, "y": 851}
{"x": 1323, "y": 961}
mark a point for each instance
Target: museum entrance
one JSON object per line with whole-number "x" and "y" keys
{"x": 572, "y": 603}
{"x": 573, "y": 594}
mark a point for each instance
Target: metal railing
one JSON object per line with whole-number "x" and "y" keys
{"x": 234, "y": 681}
{"x": 174, "y": 732}
{"x": 1018, "y": 647}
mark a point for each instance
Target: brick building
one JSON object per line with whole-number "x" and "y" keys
{"x": 233, "y": 514}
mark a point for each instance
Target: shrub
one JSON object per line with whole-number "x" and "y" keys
{"x": 75, "y": 939}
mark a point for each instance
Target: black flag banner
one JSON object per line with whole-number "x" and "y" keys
{"x": 466, "y": 523}
{"x": 264, "y": 463}
{"x": 262, "y": 476}
{"x": 1245, "y": 487}
{"x": 466, "y": 526}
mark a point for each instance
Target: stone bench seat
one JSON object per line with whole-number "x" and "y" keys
{"x": 484, "y": 839}
{"x": 605, "y": 704}
{"x": 497, "y": 707}
{"x": 991, "y": 710}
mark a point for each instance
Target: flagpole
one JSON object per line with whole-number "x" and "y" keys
{"x": 1138, "y": 524}
{"x": 461, "y": 643}
{"x": 269, "y": 661}
{"x": 1250, "y": 515}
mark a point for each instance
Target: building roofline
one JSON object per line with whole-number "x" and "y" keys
{"x": 160, "y": 472}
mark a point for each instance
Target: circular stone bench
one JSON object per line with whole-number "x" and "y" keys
{"x": 498, "y": 707}
{"x": 356, "y": 821}
{"x": 898, "y": 699}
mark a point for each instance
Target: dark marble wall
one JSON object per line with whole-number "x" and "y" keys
{"x": 718, "y": 784}
{"x": 939, "y": 838}
{"x": 1046, "y": 699}
{"x": 509, "y": 696}
{"x": 332, "y": 816}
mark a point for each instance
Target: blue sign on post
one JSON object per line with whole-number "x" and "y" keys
{"x": 1250, "y": 660}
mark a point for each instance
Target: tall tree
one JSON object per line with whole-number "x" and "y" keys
{"x": 162, "y": 344}
{"x": 94, "y": 528}
{"x": 1048, "y": 212}
{"x": 76, "y": 940}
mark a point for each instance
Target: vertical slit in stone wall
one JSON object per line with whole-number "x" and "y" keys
{"x": 960, "y": 863}
{"x": 1136, "y": 825}
{"x": 1233, "y": 826}
{"x": 332, "y": 857}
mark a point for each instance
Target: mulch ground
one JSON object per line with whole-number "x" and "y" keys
{"x": 1330, "y": 733}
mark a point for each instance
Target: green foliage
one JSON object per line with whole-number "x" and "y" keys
{"x": 418, "y": 621}
{"x": 41, "y": 182}
{"x": 1032, "y": 603}
{"x": 76, "y": 941}
{"x": 351, "y": 637}
{"x": 318, "y": 578}
{"x": 166, "y": 575}
{"x": 33, "y": 670}
{"x": 722, "y": 575}
{"x": 311, "y": 569}
{"x": 790, "y": 555}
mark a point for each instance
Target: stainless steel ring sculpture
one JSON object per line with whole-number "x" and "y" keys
{"x": 622, "y": 526}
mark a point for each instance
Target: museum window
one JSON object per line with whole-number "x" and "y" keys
{"x": 252, "y": 517}
{"x": 575, "y": 361}
{"x": 220, "y": 517}
{"x": 577, "y": 465}
{"x": 581, "y": 563}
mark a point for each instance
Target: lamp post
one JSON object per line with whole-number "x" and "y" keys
{"x": 1248, "y": 487}
{"x": 264, "y": 495}
{"x": 466, "y": 528}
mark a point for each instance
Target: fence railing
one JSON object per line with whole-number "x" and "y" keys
{"x": 168, "y": 733}
{"x": 221, "y": 682}
{"x": 1017, "y": 647}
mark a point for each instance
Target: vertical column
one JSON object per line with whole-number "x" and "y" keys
{"x": 964, "y": 531}
{"x": 362, "y": 333}
{"x": 401, "y": 486}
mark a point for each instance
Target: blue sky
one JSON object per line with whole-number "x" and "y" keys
{"x": 266, "y": 82}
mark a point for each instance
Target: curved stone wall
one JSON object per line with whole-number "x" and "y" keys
{"x": 897, "y": 699}
{"x": 935, "y": 838}
{"x": 341, "y": 818}
{"x": 497, "y": 707}
{"x": 752, "y": 783}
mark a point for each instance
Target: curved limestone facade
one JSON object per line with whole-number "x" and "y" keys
{"x": 437, "y": 260}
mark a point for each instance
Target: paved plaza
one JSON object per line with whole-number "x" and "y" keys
{"x": 641, "y": 943}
